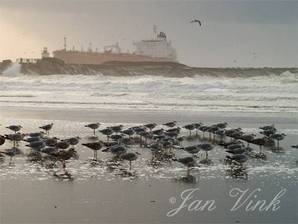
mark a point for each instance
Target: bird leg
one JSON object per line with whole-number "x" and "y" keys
{"x": 188, "y": 171}
{"x": 260, "y": 148}
{"x": 63, "y": 166}
{"x": 129, "y": 165}
{"x": 95, "y": 155}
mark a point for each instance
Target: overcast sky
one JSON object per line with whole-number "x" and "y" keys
{"x": 233, "y": 33}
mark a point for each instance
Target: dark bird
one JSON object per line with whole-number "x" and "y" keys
{"x": 268, "y": 132}
{"x": 2, "y": 140}
{"x": 189, "y": 162}
{"x": 37, "y": 145}
{"x": 234, "y": 146}
{"x": 65, "y": 155}
{"x": 206, "y": 147}
{"x": 170, "y": 124}
{"x": 259, "y": 141}
{"x": 295, "y": 146}
{"x": 11, "y": 153}
{"x": 203, "y": 129}
{"x": 116, "y": 137}
{"x": 221, "y": 133}
{"x": 222, "y": 125}
{"x": 196, "y": 21}
{"x": 248, "y": 138}
{"x": 189, "y": 127}
{"x": 268, "y": 127}
{"x": 107, "y": 132}
{"x": 93, "y": 126}
{"x": 236, "y": 151}
{"x": 238, "y": 158}
{"x": 128, "y": 132}
{"x": 15, "y": 128}
{"x": 138, "y": 129}
{"x": 278, "y": 137}
{"x": 47, "y": 128}
{"x": 73, "y": 141}
{"x": 150, "y": 126}
{"x": 172, "y": 134}
{"x": 117, "y": 128}
{"x": 95, "y": 146}
{"x": 15, "y": 138}
{"x": 51, "y": 141}
{"x": 36, "y": 134}
{"x": 62, "y": 144}
{"x": 177, "y": 130}
{"x": 158, "y": 131}
{"x": 117, "y": 149}
{"x": 194, "y": 149}
{"x": 32, "y": 139}
{"x": 50, "y": 150}
{"x": 197, "y": 126}
{"x": 130, "y": 156}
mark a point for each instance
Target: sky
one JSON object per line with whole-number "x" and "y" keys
{"x": 235, "y": 33}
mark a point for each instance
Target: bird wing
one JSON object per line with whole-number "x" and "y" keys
{"x": 196, "y": 21}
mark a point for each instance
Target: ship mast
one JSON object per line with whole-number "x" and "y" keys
{"x": 155, "y": 30}
{"x": 65, "y": 43}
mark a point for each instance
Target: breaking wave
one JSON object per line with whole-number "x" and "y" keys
{"x": 274, "y": 93}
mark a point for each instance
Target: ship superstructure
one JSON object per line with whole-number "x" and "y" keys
{"x": 156, "y": 48}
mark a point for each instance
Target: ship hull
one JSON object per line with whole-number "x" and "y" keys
{"x": 95, "y": 58}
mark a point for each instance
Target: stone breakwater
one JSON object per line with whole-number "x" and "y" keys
{"x": 50, "y": 66}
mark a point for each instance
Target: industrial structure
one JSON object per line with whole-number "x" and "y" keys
{"x": 157, "y": 49}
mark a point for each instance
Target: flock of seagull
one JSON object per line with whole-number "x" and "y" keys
{"x": 162, "y": 140}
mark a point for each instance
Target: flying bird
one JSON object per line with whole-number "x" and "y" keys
{"x": 196, "y": 21}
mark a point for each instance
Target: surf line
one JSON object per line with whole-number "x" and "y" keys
{"x": 246, "y": 199}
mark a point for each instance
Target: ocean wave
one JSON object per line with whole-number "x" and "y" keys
{"x": 253, "y": 93}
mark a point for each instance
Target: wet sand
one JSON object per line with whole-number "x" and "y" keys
{"x": 30, "y": 194}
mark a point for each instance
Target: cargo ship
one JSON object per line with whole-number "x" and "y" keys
{"x": 157, "y": 49}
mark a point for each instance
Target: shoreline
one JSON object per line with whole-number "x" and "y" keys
{"x": 139, "y": 116}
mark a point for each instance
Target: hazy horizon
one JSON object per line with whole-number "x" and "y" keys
{"x": 233, "y": 33}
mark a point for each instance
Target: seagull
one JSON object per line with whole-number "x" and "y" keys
{"x": 130, "y": 156}
{"x": 93, "y": 126}
{"x": 95, "y": 146}
{"x": 196, "y": 21}
{"x": 15, "y": 128}
{"x": 47, "y": 128}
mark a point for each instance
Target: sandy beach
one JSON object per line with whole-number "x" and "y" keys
{"x": 149, "y": 111}
{"x": 97, "y": 195}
